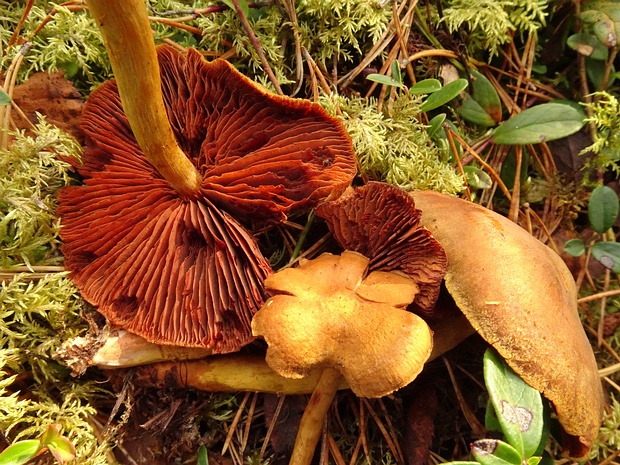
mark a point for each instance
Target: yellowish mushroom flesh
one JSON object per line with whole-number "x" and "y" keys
{"x": 520, "y": 297}
{"x": 327, "y": 315}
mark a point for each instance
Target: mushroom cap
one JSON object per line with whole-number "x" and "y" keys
{"x": 520, "y": 297}
{"x": 327, "y": 315}
{"x": 184, "y": 271}
{"x": 381, "y": 222}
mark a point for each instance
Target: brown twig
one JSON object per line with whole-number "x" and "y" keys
{"x": 257, "y": 47}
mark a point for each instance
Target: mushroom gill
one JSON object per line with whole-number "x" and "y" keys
{"x": 183, "y": 270}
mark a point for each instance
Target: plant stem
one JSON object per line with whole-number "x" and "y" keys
{"x": 129, "y": 41}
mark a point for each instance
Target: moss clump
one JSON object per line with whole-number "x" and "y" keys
{"x": 395, "y": 149}
{"x": 605, "y": 148}
{"x": 493, "y": 23}
{"x": 32, "y": 171}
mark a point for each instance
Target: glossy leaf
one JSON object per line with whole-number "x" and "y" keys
{"x": 443, "y": 96}
{"x": 495, "y": 452}
{"x": 396, "y": 74}
{"x": 383, "y": 79}
{"x": 603, "y": 208}
{"x": 434, "y": 125}
{"x": 477, "y": 178}
{"x": 5, "y": 98}
{"x": 243, "y": 5}
{"x": 519, "y": 407}
{"x": 588, "y": 45}
{"x": 575, "y": 247}
{"x": 427, "y": 86}
{"x": 203, "y": 456}
{"x": 541, "y": 123}
{"x": 60, "y": 447}
{"x": 608, "y": 253}
{"x": 20, "y": 452}
{"x": 482, "y": 105}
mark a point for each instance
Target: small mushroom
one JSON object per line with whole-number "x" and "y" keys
{"x": 519, "y": 295}
{"x": 150, "y": 236}
{"x": 327, "y": 314}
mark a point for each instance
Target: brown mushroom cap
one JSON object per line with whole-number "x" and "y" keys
{"x": 519, "y": 295}
{"x": 381, "y": 222}
{"x": 326, "y": 315}
{"x": 178, "y": 270}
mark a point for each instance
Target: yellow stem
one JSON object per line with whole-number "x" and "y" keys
{"x": 129, "y": 41}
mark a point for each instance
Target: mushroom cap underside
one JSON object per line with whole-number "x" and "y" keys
{"x": 186, "y": 271}
{"x": 519, "y": 296}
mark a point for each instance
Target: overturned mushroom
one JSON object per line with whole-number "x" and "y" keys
{"x": 149, "y": 237}
{"x": 519, "y": 295}
{"x": 327, "y": 314}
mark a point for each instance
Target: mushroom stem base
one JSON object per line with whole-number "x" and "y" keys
{"x": 312, "y": 420}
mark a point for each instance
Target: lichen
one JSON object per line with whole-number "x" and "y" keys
{"x": 395, "y": 149}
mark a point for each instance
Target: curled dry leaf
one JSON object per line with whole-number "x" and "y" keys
{"x": 325, "y": 314}
{"x": 184, "y": 271}
{"x": 519, "y": 295}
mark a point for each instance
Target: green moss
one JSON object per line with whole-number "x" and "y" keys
{"x": 395, "y": 149}
{"x": 606, "y": 144}
{"x": 32, "y": 171}
{"x": 492, "y": 23}
{"x": 608, "y": 440}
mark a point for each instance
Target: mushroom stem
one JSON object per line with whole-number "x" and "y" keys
{"x": 128, "y": 38}
{"x": 312, "y": 420}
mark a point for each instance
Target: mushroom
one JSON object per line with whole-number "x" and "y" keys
{"x": 150, "y": 236}
{"x": 519, "y": 296}
{"x": 327, "y": 314}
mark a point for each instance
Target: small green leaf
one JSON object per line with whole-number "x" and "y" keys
{"x": 395, "y": 68}
{"x": 602, "y": 209}
{"x": 60, "y": 447}
{"x": 5, "y": 98}
{"x": 427, "y": 86}
{"x": 243, "y": 5}
{"x": 608, "y": 253}
{"x": 477, "y": 178}
{"x": 434, "y": 125}
{"x": 588, "y": 45}
{"x": 495, "y": 452}
{"x": 443, "y": 96}
{"x": 383, "y": 79}
{"x": 481, "y": 104}
{"x": 545, "y": 122}
{"x": 534, "y": 460}
{"x": 519, "y": 407}
{"x": 20, "y": 452}
{"x": 575, "y": 247}
{"x": 203, "y": 456}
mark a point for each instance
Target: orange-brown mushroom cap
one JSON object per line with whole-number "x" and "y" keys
{"x": 381, "y": 222}
{"x": 184, "y": 271}
{"x": 327, "y": 314}
{"x": 519, "y": 295}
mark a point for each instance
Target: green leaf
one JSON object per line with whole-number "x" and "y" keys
{"x": 203, "y": 456}
{"x": 477, "y": 178}
{"x": 545, "y": 122}
{"x": 575, "y": 247}
{"x": 608, "y": 253}
{"x": 443, "y": 96}
{"x": 434, "y": 125}
{"x": 20, "y": 452}
{"x": 602, "y": 209}
{"x": 427, "y": 86}
{"x": 60, "y": 447}
{"x": 395, "y": 68}
{"x": 508, "y": 170}
{"x": 243, "y": 5}
{"x": 383, "y": 79}
{"x": 519, "y": 407}
{"x": 481, "y": 105}
{"x": 588, "y": 45}
{"x": 495, "y": 452}
{"x": 5, "y": 98}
